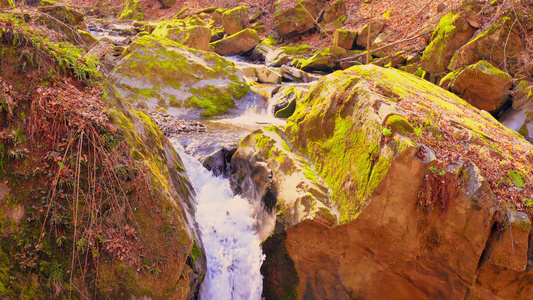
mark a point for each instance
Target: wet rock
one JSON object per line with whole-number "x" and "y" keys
{"x": 234, "y": 20}
{"x": 294, "y": 74}
{"x": 237, "y": 44}
{"x": 218, "y": 162}
{"x": 276, "y": 58}
{"x": 452, "y": 32}
{"x": 322, "y": 61}
{"x": 285, "y": 99}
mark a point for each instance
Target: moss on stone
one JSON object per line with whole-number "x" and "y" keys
{"x": 132, "y": 11}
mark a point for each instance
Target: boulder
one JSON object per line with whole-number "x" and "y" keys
{"x": 286, "y": 98}
{"x": 260, "y": 73}
{"x": 237, "y": 44}
{"x": 132, "y": 11}
{"x": 193, "y": 36}
{"x": 297, "y": 17}
{"x": 452, "y": 32}
{"x": 7, "y": 3}
{"x": 498, "y": 45}
{"x": 375, "y": 30}
{"x": 294, "y": 74}
{"x": 483, "y": 86}
{"x": 379, "y": 43}
{"x": 167, "y": 3}
{"x": 277, "y": 58}
{"x": 427, "y": 192}
{"x": 87, "y": 37}
{"x": 322, "y": 61}
{"x": 185, "y": 82}
{"x": 234, "y": 20}
{"x": 344, "y": 38}
{"x": 62, "y": 13}
{"x": 335, "y": 11}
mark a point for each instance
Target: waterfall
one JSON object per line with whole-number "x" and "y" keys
{"x": 229, "y": 233}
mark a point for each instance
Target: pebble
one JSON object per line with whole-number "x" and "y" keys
{"x": 172, "y": 126}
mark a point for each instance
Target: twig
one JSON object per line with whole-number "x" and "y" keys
{"x": 381, "y": 48}
{"x": 368, "y": 33}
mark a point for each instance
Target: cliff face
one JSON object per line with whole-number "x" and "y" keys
{"x": 94, "y": 199}
{"x": 424, "y": 193}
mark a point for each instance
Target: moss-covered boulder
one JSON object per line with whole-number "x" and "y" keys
{"x": 94, "y": 199}
{"x": 298, "y": 17}
{"x": 61, "y": 12}
{"x": 286, "y": 98}
{"x": 344, "y": 38}
{"x": 483, "y": 86}
{"x": 7, "y": 3}
{"x": 132, "y": 11}
{"x": 500, "y": 45}
{"x": 166, "y": 74}
{"x": 87, "y": 38}
{"x": 452, "y": 32}
{"x": 193, "y": 36}
{"x": 324, "y": 60}
{"x": 406, "y": 164}
{"x": 234, "y": 20}
{"x": 375, "y": 29}
{"x": 237, "y": 44}
{"x": 336, "y": 10}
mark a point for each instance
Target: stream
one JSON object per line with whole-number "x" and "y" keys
{"x": 227, "y": 222}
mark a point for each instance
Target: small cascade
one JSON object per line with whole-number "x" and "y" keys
{"x": 228, "y": 230}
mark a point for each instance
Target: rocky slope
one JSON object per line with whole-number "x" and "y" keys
{"x": 94, "y": 199}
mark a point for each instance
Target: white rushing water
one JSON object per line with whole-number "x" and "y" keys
{"x": 228, "y": 230}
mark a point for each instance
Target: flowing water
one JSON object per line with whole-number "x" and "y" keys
{"x": 227, "y": 222}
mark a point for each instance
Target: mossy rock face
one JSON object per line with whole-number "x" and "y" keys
{"x": 295, "y": 20}
{"x": 498, "y": 45}
{"x": 237, "y": 44}
{"x": 7, "y": 3}
{"x": 193, "y": 36}
{"x": 234, "y": 20}
{"x": 335, "y": 11}
{"x": 452, "y": 32}
{"x": 166, "y": 74}
{"x": 483, "y": 86}
{"x": 64, "y": 14}
{"x": 132, "y": 11}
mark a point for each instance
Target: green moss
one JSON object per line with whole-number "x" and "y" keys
{"x": 132, "y": 11}
{"x": 399, "y": 124}
{"x": 516, "y": 178}
{"x": 339, "y": 21}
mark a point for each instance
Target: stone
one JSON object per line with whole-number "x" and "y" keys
{"x": 498, "y": 45}
{"x": 294, "y": 74}
{"x": 87, "y": 38}
{"x": 452, "y": 32}
{"x": 63, "y": 13}
{"x": 483, "y": 86}
{"x": 375, "y": 30}
{"x": 286, "y": 98}
{"x": 132, "y": 11}
{"x": 344, "y": 38}
{"x": 197, "y": 37}
{"x": 234, "y": 20}
{"x": 276, "y": 58}
{"x": 379, "y": 43}
{"x": 267, "y": 75}
{"x": 339, "y": 129}
{"x": 188, "y": 83}
{"x": 237, "y": 44}
{"x": 322, "y": 61}
{"x": 256, "y": 16}
{"x": 335, "y": 11}
{"x": 297, "y": 18}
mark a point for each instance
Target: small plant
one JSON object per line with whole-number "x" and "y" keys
{"x": 387, "y": 132}
{"x": 418, "y": 131}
